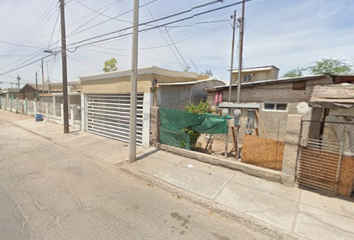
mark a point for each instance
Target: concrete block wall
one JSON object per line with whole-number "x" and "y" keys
{"x": 291, "y": 149}
{"x": 154, "y": 126}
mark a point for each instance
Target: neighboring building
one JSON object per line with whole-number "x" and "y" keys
{"x": 256, "y": 74}
{"x": 11, "y": 93}
{"x": 275, "y": 99}
{"x": 337, "y": 104}
{"x": 54, "y": 92}
{"x": 177, "y": 95}
{"x": 106, "y": 99}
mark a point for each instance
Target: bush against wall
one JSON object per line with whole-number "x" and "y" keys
{"x": 199, "y": 108}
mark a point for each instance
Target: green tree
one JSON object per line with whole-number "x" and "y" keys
{"x": 297, "y": 72}
{"x": 200, "y": 108}
{"x": 330, "y": 66}
{"x": 110, "y": 65}
{"x": 207, "y": 72}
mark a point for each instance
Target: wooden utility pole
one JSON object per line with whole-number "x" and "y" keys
{"x": 36, "y": 86}
{"x": 134, "y": 79}
{"x": 241, "y": 22}
{"x": 42, "y": 76}
{"x": 18, "y": 81}
{"x": 232, "y": 52}
{"x": 64, "y": 68}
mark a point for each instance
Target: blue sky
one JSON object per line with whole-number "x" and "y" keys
{"x": 287, "y": 34}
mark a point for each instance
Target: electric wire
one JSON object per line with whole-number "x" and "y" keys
{"x": 97, "y": 12}
{"x": 147, "y": 7}
{"x": 163, "y": 18}
{"x": 121, "y": 14}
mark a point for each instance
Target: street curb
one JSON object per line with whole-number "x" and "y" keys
{"x": 266, "y": 228}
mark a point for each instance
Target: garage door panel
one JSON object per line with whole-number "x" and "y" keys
{"x": 109, "y": 116}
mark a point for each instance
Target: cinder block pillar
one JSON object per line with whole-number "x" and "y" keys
{"x": 291, "y": 149}
{"x": 16, "y": 105}
{"x": 34, "y": 107}
{"x": 26, "y": 106}
{"x": 62, "y": 114}
{"x": 47, "y": 111}
{"x": 154, "y": 126}
{"x": 72, "y": 117}
{"x": 83, "y": 111}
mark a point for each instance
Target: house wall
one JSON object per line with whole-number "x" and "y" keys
{"x": 116, "y": 85}
{"x": 340, "y": 128}
{"x": 274, "y": 122}
{"x": 178, "y": 96}
{"x": 259, "y": 75}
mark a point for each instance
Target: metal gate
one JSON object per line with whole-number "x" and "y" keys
{"x": 108, "y": 115}
{"x": 319, "y": 164}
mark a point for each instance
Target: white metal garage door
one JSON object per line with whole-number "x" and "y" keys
{"x": 108, "y": 115}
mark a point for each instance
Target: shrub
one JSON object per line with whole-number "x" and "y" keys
{"x": 200, "y": 108}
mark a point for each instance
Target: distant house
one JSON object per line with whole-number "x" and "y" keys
{"x": 11, "y": 93}
{"x": 275, "y": 99}
{"x": 256, "y": 74}
{"x": 106, "y": 99}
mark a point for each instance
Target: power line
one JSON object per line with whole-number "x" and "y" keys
{"x": 148, "y": 22}
{"x": 39, "y": 23}
{"x": 162, "y": 46}
{"x": 72, "y": 33}
{"x": 164, "y": 37}
{"x": 94, "y": 11}
{"x": 55, "y": 26}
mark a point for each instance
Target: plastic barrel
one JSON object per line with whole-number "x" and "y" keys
{"x": 39, "y": 117}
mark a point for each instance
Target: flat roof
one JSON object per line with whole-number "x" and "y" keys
{"x": 252, "y": 69}
{"x": 191, "y": 82}
{"x": 146, "y": 70}
{"x": 271, "y": 81}
{"x": 333, "y": 93}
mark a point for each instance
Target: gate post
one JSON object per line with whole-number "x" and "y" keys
{"x": 292, "y": 137}
{"x": 47, "y": 111}
{"x": 16, "y": 105}
{"x": 62, "y": 113}
{"x": 26, "y": 106}
{"x": 72, "y": 116}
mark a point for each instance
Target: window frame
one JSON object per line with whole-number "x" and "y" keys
{"x": 248, "y": 76}
{"x": 275, "y": 107}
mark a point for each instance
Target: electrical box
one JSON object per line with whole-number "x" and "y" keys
{"x": 237, "y": 117}
{"x": 225, "y": 111}
{"x": 251, "y": 118}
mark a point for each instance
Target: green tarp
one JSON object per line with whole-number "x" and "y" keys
{"x": 173, "y": 122}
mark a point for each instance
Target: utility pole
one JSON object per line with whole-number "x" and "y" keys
{"x": 232, "y": 52}
{"x": 241, "y": 21}
{"x": 18, "y": 81}
{"x": 64, "y": 67}
{"x": 134, "y": 80}
{"x": 42, "y": 76}
{"x": 36, "y": 86}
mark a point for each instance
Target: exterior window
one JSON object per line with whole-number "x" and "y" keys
{"x": 275, "y": 106}
{"x": 247, "y": 77}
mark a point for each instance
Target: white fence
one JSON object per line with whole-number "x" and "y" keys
{"x": 50, "y": 111}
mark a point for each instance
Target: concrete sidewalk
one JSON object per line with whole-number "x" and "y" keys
{"x": 297, "y": 211}
{"x": 92, "y": 146}
{"x": 248, "y": 199}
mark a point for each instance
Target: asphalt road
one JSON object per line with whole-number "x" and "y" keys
{"x": 50, "y": 192}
